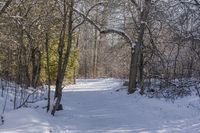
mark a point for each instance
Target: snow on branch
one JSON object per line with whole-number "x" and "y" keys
{"x": 119, "y": 32}
{"x": 105, "y": 31}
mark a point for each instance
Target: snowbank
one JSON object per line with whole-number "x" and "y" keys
{"x": 94, "y": 106}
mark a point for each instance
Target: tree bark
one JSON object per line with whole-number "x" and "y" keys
{"x": 63, "y": 64}
{"x": 48, "y": 71}
{"x": 137, "y": 57}
{"x": 36, "y": 66}
{"x": 133, "y": 70}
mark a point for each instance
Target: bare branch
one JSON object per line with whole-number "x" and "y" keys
{"x": 136, "y": 5}
{"x": 91, "y": 8}
{"x": 5, "y": 6}
{"x": 121, "y": 33}
{"x": 197, "y": 2}
{"x": 25, "y": 101}
{"x": 106, "y": 31}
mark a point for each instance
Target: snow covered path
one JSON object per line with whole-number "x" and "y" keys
{"x": 93, "y": 106}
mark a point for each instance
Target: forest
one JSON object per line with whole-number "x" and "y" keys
{"x": 54, "y": 54}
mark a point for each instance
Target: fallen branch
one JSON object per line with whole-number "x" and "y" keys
{"x": 26, "y": 100}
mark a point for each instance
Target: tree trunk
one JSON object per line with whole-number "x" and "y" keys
{"x": 133, "y": 70}
{"x": 95, "y": 50}
{"x": 95, "y": 55}
{"x": 48, "y": 71}
{"x": 138, "y": 53}
{"x": 36, "y": 66}
{"x": 63, "y": 65}
{"x": 60, "y": 51}
{"x": 141, "y": 70}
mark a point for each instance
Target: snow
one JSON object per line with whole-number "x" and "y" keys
{"x": 94, "y": 106}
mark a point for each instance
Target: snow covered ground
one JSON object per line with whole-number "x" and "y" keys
{"x": 94, "y": 106}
